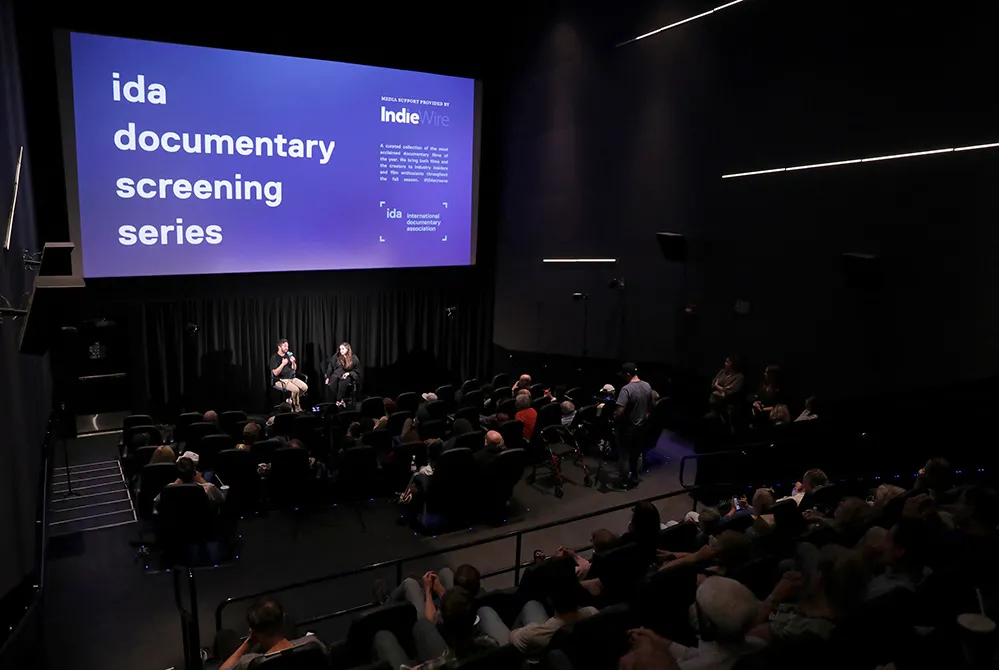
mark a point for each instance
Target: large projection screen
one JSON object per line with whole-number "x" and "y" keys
{"x": 193, "y": 160}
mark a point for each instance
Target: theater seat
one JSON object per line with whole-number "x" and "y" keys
{"x": 306, "y": 657}
{"x": 597, "y": 641}
{"x": 397, "y": 618}
{"x": 501, "y": 658}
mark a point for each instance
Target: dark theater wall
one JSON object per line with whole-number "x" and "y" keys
{"x": 606, "y": 146}
{"x": 25, "y": 380}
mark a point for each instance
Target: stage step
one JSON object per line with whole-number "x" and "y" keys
{"x": 89, "y": 496}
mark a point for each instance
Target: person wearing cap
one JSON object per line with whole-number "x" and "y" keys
{"x": 631, "y": 412}
{"x": 724, "y": 611}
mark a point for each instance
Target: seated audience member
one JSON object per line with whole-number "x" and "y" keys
{"x": 937, "y": 476}
{"x": 487, "y": 399}
{"x": 811, "y": 410}
{"x": 812, "y": 480}
{"x": 763, "y": 519}
{"x": 251, "y": 433}
{"x": 726, "y": 386}
{"x": 709, "y": 522}
{"x": 903, "y": 557}
{"x": 485, "y": 458}
{"x": 459, "y": 428}
{"x": 821, "y": 586}
{"x": 419, "y": 482}
{"x": 780, "y": 415}
{"x": 163, "y": 454}
{"x": 883, "y": 495}
{"x": 768, "y": 396}
{"x": 724, "y": 552}
{"x": 643, "y": 531}
{"x": 850, "y": 521}
{"x": 522, "y": 383}
{"x": 600, "y": 539}
{"x": 425, "y": 595}
{"x": 422, "y": 413}
{"x": 187, "y": 473}
{"x": 212, "y": 417}
{"x": 568, "y": 413}
{"x": 963, "y": 559}
{"x": 268, "y": 625}
{"x": 533, "y": 628}
{"x": 390, "y": 408}
{"x": 461, "y": 640}
{"x": 526, "y": 413}
{"x": 724, "y": 611}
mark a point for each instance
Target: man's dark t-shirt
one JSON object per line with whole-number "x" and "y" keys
{"x": 636, "y": 399}
{"x": 287, "y": 372}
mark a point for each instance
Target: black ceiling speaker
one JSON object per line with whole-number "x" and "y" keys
{"x": 673, "y": 246}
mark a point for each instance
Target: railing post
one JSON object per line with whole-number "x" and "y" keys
{"x": 516, "y": 569}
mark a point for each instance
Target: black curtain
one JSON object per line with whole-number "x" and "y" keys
{"x": 25, "y": 380}
{"x": 213, "y": 352}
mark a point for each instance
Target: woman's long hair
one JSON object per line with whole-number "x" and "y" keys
{"x": 346, "y": 361}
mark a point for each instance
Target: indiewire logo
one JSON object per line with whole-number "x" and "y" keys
{"x": 401, "y": 116}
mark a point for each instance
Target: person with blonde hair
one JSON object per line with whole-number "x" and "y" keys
{"x": 163, "y": 454}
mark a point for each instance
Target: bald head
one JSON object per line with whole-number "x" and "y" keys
{"x": 494, "y": 440}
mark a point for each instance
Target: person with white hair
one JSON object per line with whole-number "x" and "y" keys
{"x": 724, "y": 612}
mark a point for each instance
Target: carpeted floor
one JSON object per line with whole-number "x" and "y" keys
{"x": 103, "y": 610}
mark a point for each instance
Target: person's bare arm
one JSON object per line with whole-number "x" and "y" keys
{"x": 276, "y": 371}
{"x": 294, "y": 364}
{"x": 429, "y": 609}
{"x": 702, "y": 555}
{"x": 236, "y": 655}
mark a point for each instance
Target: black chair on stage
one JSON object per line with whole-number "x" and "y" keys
{"x": 469, "y": 385}
{"x": 373, "y": 407}
{"x": 195, "y": 432}
{"x": 513, "y": 434}
{"x": 152, "y": 479}
{"x": 473, "y": 398}
{"x": 209, "y": 447}
{"x": 501, "y": 380}
{"x": 445, "y": 394}
{"x": 277, "y": 395}
{"x": 182, "y": 424}
{"x": 408, "y": 402}
{"x": 472, "y": 441}
{"x": 396, "y": 421}
{"x": 228, "y": 421}
{"x": 237, "y": 469}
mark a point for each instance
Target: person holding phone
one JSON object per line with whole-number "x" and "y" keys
{"x": 283, "y": 374}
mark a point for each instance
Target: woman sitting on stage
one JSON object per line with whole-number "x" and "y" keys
{"x": 343, "y": 372}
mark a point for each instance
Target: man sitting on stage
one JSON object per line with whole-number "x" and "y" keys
{"x": 283, "y": 367}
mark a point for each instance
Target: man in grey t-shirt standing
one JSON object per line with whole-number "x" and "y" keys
{"x": 633, "y": 406}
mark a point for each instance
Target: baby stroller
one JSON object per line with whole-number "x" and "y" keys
{"x": 561, "y": 443}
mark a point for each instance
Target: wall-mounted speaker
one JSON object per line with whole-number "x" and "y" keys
{"x": 673, "y": 246}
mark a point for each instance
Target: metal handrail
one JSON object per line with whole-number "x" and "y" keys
{"x": 519, "y": 564}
